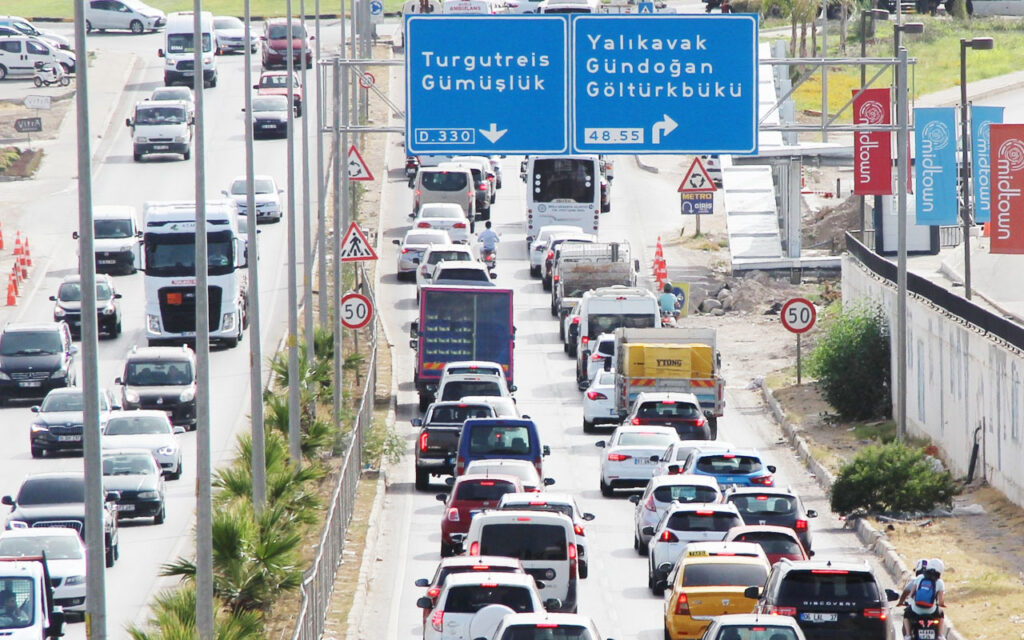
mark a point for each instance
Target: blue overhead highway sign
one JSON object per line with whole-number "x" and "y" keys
{"x": 486, "y": 84}
{"x": 664, "y": 84}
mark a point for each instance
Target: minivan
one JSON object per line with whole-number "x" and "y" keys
{"x": 178, "y": 51}
{"x": 118, "y": 240}
{"x": 456, "y": 185}
{"x": 20, "y": 54}
{"x": 606, "y": 309}
{"x": 516, "y": 439}
{"x": 544, "y": 541}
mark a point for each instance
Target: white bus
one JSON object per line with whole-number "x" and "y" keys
{"x": 169, "y": 243}
{"x": 563, "y": 190}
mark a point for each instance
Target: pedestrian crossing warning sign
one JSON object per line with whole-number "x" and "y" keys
{"x": 355, "y": 247}
{"x": 357, "y": 168}
{"x": 697, "y": 179}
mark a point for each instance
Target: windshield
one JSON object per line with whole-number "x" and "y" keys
{"x": 715, "y": 575}
{"x": 175, "y": 254}
{"x": 112, "y": 229}
{"x": 523, "y": 540}
{"x": 130, "y": 464}
{"x": 52, "y": 491}
{"x": 260, "y": 186}
{"x": 68, "y": 402}
{"x": 158, "y": 374}
{"x": 182, "y": 43}
{"x": 17, "y": 606}
{"x": 160, "y": 115}
{"x": 270, "y": 103}
{"x": 280, "y": 31}
{"x": 55, "y": 547}
{"x": 72, "y": 292}
{"x": 227, "y": 22}
{"x": 563, "y": 179}
{"x": 30, "y": 343}
{"x": 137, "y": 426}
{"x": 499, "y": 439}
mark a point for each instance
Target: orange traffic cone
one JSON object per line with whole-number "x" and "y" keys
{"x": 16, "y": 273}
{"x": 20, "y": 264}
{"x": 28, "y": 254}
{"x": 12, "y": 291}
{"x": 657, "y": 249}
{"x": 1, "y": 238}
{"x": 17, "y": 244}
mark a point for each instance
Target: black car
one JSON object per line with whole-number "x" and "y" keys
{"x": 35, "y": 358}
{"x": 774, "y": 506}
{"x": 68, "y": 305}
{"x": 831, "y": 600}
{"x": 58, "y": 500}
{"x": 161, "y": 378}
{"x": 137, "y": 478}
{"x": 270, "y": 116}
{"x": 57, "y": 425}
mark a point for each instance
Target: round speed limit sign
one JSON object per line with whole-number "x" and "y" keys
{"x": 356, "y": 311}
{"x": 798, "y": 315}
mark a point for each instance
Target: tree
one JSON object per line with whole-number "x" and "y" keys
{"x": 174, "y": 618}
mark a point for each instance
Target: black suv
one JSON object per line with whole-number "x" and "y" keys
{"x": 161, "y": 378}
{"x": 775, "y": 506}
{"x": 831, "y": 600}
{"x": 58, "y": 500}
{"x": 35, "y": 358}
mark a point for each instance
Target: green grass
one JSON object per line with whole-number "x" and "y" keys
{"x": 64, "y": 9}
{"x": 882, "y": 432}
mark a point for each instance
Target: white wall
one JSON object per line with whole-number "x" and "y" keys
{"x": 957, "y": 380}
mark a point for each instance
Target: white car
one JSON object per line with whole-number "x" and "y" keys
{"x": 540, "y": 626}
{"x": 440, "y": 253}
{"x": 412, "y": 246}
{"x": 465, "y": 594}
{"x": 267, "y": 193}
{"x": 681, "y": 524}
{"x": 455, "y": 386}
{"x": 671, "y": 461}
{"x": 630, "y": 454}
{"x": 65, "y": 560}
{"x": 660, "y": 494}
{"x": 599, "y": 401}
{"x": 602, "y": 358}
{"x": 504, "y": 407}
{"x": 557, "y": 503}
{"x": 539, "y": 247}
{"x": 443, "y": 215}
{"x": 171, "y": 94}
{"x": 146, "y": 429}
{"x": 522, "y": 469}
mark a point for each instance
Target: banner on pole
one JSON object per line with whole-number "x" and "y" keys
{"x": 872, "y": 150}
{"x": 981, "y": 118}
{"x": 935, "y": 166}
{"x": 1007, "y": 162}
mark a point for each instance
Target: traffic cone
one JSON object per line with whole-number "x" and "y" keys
{"x": 17, "y": 244}
{"x": 20, "y": 264}
{"x": 16, "y": 273}
{"x": 1, "y": 237}
{"x": 657, "y": 249}
{"x": 12, "y": 291}
{"x": 28, "y": 254}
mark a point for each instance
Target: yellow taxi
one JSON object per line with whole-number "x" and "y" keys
{"x": 709, "y": 581}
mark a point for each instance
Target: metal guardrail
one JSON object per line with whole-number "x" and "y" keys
{"x": 318, "y": 583}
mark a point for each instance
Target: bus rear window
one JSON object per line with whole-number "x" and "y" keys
{"x": 565, "y": 179}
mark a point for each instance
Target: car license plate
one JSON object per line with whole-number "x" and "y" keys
{"x": 126, "y": 507}
{"x": 926, "y": 634}
{"x": 611, "y": 413}
{"x": 160, "y": 147}
{"x": 642, "y": 461}
{"x": 30, "y": 383}
{"x": 106, "y": 261}
{"x": 819, "y": 617}
{"x": 266, "y": 126}
{"x": 69, "y": 438}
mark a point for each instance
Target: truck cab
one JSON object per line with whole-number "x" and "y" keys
{"x": 26, "y": 600}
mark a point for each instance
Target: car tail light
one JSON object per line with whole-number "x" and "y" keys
{"x": 596, "y": 395}
{"x": 700, "y": 422}
{"x": 460, "y": 465}
{"x": 635, "y": 421}
{"x": 437, "y": 620}
{"x": 417, "y": 192}
{"x": 483, "y": 187}
{"x": 878, "y": 614}
{"x": 668, "y": 536}
{"x": 801, "y": 525}
{"x": 490, "y": 178}
{"x": 764, "y": 481}
{"x": 459, "y": 225}
{"x": 489, "y": 585}
{"x": 682, "y": 605}
{"x": 781, "y": 611}
{"x": 585, "y": 340}
{"x": 649, "y": 505}
{"x": 433, "y": 592}
{"x": 405, "y": 250}
{"x": 423, "y": 440}
{"x": 576, "y": 320}
{"x": 597, "y": 357}
{"x": 453, "y": 514}
{"x": 474, "y": 549}
{"x": 423, "y": 225}
{"x": 578, "y": 530}
{"x": 481, "y": 567}
{"x": 551, "y": 254}
{"x": 573, "y": 562}
{"x": 618, "y": 457}
{"x": 556, "y": 278}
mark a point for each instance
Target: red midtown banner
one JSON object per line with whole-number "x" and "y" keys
{"x": 1006, "y": 146}
{"x": 872, "y": 150}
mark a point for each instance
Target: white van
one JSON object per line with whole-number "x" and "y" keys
{"x": 606, "y": 309}
{"x": 178, "y": 51}
{"x": 19, "y": 55}
{"x": 161, "y": 127}
{"x": 117, "y": 239}
{"x": 545, "y": 542}
{"x": 129, "y": 15}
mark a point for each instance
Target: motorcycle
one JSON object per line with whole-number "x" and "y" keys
{"x": 668, "y": 319}
{"x": 490, "y": 257}
{"x": 50, "y": 73}
{"x": 925, "y": 628}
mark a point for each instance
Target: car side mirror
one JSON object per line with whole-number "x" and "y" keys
{"x": 665, "y": 568}
{"x": 414, "y": 328}
{"x": 552, "y": 604}
{"x": 53, "y": 298}
{"x": 540, "y": 584}
{"x": 118, "y": 381}
{"x": 255, "y": 86}
{"x": 512, "y": 388}
{"x": 548, "y": 482}
{"x": 891, "y": 595}
{"x": 493, "y": 275}
{"x": 441, "y": 497}
{"x": 525, "y": 417}
{"x": 636, "y": 265}
{"x": 127, "y": 122}
{"x": 755, "y": 592}
{"x": 673, "y": 468}
{"x": 57, "y": 620}
{"x": 417, "y": 422}
{"x": 73, "y": 350}
{"x": 600, "y": 444}
{"x": 414, "y": 344}
{"x": 8, "y": 500}
{"x": 545, "y": 450}
{"x": 425, "y": 603}
{"x": 655, "y": 458}
{"x": 771, "y": 468}
{"x": 396, "y": 242}
{"x": 112, "y": 496}
{"x": 117, "y": 296}
{"x": 647, "y": 531}
{"x": 422, "y": 582}
{"x": 811, "y": 513}
{"x": 635, "y": 499}
{"x": 412, "y": 215}
{"x": 449, "y": 481}
{"x": 243, "y": 109}
{"x": 159, "y": 53}
{"x": 74, "y": 235}
{"x": 587, "y": 517}
{"x": 179, "y": 430}
{"x": 35, "y": 409}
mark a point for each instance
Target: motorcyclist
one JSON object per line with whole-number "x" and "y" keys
{"x": 930, "y": 570}
{"x": 488, "y": 239}
{"x": 668, "y": 302}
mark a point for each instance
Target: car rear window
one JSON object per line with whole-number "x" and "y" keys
{"x": 758, "y": 631}
{"x": 606, "y": 323}
{"x": 545, "y": 632}
{"x": 669, "y": 409}
{"x": 639, "y": 439}
{"x": 447, "y": 571}
{"x": 540, "y": 505}
{"x": 772, "y": 542}
{"x": 511, "y": 439}
{"x": 727, "y": 463}
{"x": 828, "y": 585}
{"x": 524, "y": 540}
{"x": 693, "y": 521}
{"x": 443, "y": 181}
{"x": 422, "y": 238}
{"x": 453, "y": 213}
{"x": 451, "y": 414}
{"x": 472, "y": 598}
{"x": 474, "y": 275}
{"x": 438, "y": 256}
{"x": 715, "y": 575}
{"x": 480, "y": 490}
{"x": 766, "y": 505}
{"x": 458, "y": 389}
{"x": 606, "y": 348}
{"x": 480, "y": 371}
{"x": 685, "y": 493}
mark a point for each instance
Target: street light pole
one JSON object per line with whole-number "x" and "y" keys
{"x": 965, "y": 162}
{"x": 902, "y": 140}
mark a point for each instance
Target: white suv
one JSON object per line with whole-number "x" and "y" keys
{"x": 464, "y": 594}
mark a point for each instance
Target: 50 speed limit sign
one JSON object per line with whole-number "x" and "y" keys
{"x": 798, "y": 315}
{"x": 356, "y": 311}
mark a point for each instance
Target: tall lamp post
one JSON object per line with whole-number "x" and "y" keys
{"x": 965, "y": 163}
{"x": 873, "y": 14}
{"x": 897, "y": 34}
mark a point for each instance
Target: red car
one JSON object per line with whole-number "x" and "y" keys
{"x": 275, "y": 43}
{"x": 777, "y": 542}
{"x": 471, "y": 493}
{"x": 275, "y": 83}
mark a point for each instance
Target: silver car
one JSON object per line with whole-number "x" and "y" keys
{"x": 146, "y": 429}
{"x": 412, "y": 246}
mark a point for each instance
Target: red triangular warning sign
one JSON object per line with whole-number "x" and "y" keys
{"x": 697, "y": 179}
{"x": 354, "y": 245}
{"x": 357, "y": 169}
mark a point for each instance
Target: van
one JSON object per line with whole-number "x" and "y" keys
{"x": 545, "y": 542}
{"x": 27, "y": 28}
{"x": 445, "y": 185}
{"x": 128, "y": 15}
{"x": 515, "y": 439}
{"x": 483, "y": 182}
{"x": 605, "y": 309}
{"x": 161, "y": 127}
{"x": 179, "y": 63}
{"x": 118, "y": 240}
{"x": 20, "y": 54}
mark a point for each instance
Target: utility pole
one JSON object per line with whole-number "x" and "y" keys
{"x": 902, "y": 139}
{"x": 307, "y": 223}
{"x": 321, "y": 195}
{"x": 340, "y": 223}
{"x": 294, "y": 398}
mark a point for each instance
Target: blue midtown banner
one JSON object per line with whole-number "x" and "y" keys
{"x": 935, "y": 166}
{"x": 981, "y": 166}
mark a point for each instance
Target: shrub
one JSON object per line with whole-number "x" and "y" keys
{"x": 891, "y": 478}
{"x": 851, "y": 363}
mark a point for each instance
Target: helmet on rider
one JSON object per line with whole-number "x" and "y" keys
{"x": 936, "y": 565}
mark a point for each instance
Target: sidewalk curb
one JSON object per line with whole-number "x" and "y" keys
{"x": 649, "y": 168}
{"x": 872, "y": 539}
